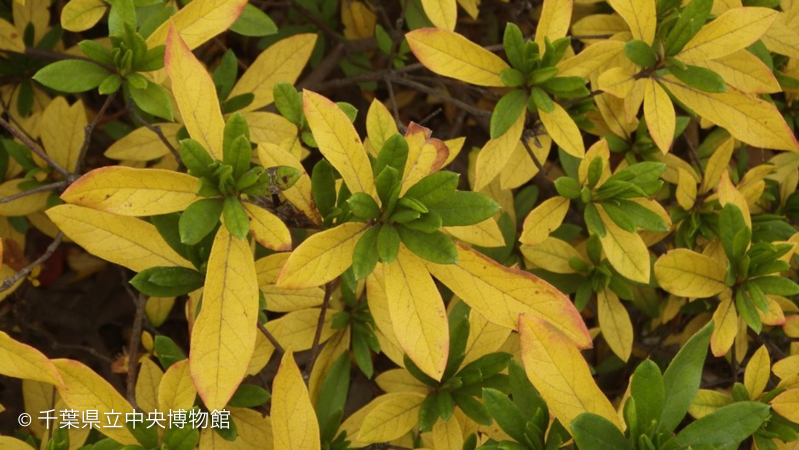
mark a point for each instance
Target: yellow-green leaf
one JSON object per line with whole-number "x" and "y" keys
{"x": 725, "y": 327}
{"x": 294, "y": 423}
{"x": 147, "y": 382}
{"x": 686, "y": 189}
{"x": 80, "y": 15}
{"x": 127, "y": 241}
{"x": 223, "y": 336}
{"x": 338, "y": 141}
{"x": 660, "y": 116}
{"x": 495, "y": 154}
{"x": 734, "y": 30}
{"x": 133, "y": 192}
{"x": 707, "y": 401}
{"x": 449, "y": 54}
{"x": 194, "y": 93}
{"x": 557, "y": 369}
{"x": 626, "y": 251}
{"x": 743, "y": 71}
{"x": 551, "y": 254}
{"x": 640, "y": 15}
{"x": 299, "y": 195}
{"x": 21, "y": 206}
{"x": 23, "y": 361}
{"x": 554, "y": 22}
{"x": 417, "y": 313}
{"x": 380, "y": 125}
{"x": 322, "y": 257}
{"x": 10, "y": 38}
{"x": 787, "y": 405}
{"x": 563, "y": 130}
{"x": 176, "y": 390}
{"x": 63, "y": 130}
{"x": 443, "y": 13}
{"x": 757, "y": 373}
{"x": 501, "y": 293}
{"x": 143, "y": 144}
{"x": 615, "y": 324}
{"x": 717, "y": 165}
{"x": 689, "y": 274}
{"x": 395, "y": 415}
{"x": 283, "y": 61}
{"x": 198, "y": 22}
{"x": 268, "y": 229}
{"x": 544, "y": 219}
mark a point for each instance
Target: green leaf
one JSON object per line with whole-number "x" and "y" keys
{"x": 426, "y": 223}
{"x": 428, "y": 412}
{"x": 253, "y": 22}
{"x": 249, "y": 396}
{"x": 388, "y": 188}
{"x": 595, "y": 169}
{"x": 96, "y": 51}
{"x": 682, "y": 377}
{"x": 111, "y": 84}
{"x": 508, "y": 416}
{"x": 365, "y": 255}
{"x": 541, "y": 100}
{"x": 288, "y": 102}
{"x": 568, "y": 187}
{"x": 746, "y": 309}
{"x": 700, "y": 78}
{"x": 225, "y": 74}
{"x": 465, "y": 208}
{"x": 507, "y": 110}
{"x": 640, "y": 53}
{"x": 388, "y": 241}
{"x": 199, "y": 219}
{"x": 472, "y": 408}
{"x": 435, "y": 247}
{"x": 333, "y": 396}
{"x": 196, "y": 158}
{"x": 153, "y": 59}
{"x": 71, "y": 75}
{"x": 363, "y": 205}
{"x": 513, "y": 42}
{"x": 523, "y": 392}
{"x": 649, "y": 393}
{"x": 393, "y": 154}
{"x": 512, "y": 77}
{"x": 167, "y": 351}
{"x": 776, "y": 285}
{"x": 167, "y": 281}
{"x": 185, "y": 438}
{"x": 445, "y": 405}
{"x": 726, "y": 427}
{"x": 235, "y": 217}
{"x": 323, "y": 187}
{"x": 434, "y": 188}
{"x": 693, "y": 17}
{"x": 153, "y": 100}
{"x": 592, "y": 431}
{"x": 593, "y": 221}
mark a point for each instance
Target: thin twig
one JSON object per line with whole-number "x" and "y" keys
{"x": 34, "y": 148}
{"x": 694, "y": 156}
{"x": 42, "y": 188}
{"x": 12, "y": 280}
{"x": 526, "y": 145}
{"x": 430, "y": 91}
{"x": 320, "y": 324}
{"x": 89, "y": 129}
{"x": 271, "y": 338}
{"x": 393, "y": 100}
{"x": 133, "y": 348}
{"x": 157, "y": 130}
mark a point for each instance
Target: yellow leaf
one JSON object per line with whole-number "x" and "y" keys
{"x": 626, "y": 251}
{"x": 157, "y": 309}
{"x": 554, "y": 22}
{"x": 443, "y": 13}
{"x": 223, "y": 336}
{"x": 253, "y": 432}
{"x": 33, "y": 12}
{"x": 591, "y": 59}
{"x": 80, "y": 15}
{"x": 484, "y": 337}
{"x": 338, "y": 141}
{"x": 380, "y": 125}
{"x": 501, "y": 293}
{"x": 23, "y": 361}
{"x": 717, "y": 165}
{"x": 10, "y": 443}
{"x": 22, "y": 206}
{"x": 520, "y": 167}
{"x": 782, "y": 36}
{"x": 447, "y": 435}
{"x": 358, "y": 20}
{"x": 294, "y": 423}
{"x": 495, "y": 154}
{"x": 615, "y": 324}
{"x": 129, "y": 242}
{"x": 194, "y": 93}
{"x": 561, "y": 127}
{"x": 734, "y": 30}
{"x": 400, "y": 380}
{"x": 686, "y": 190}
{"x": 337, "y": 345}
{"x": 425, "y": 155}
{"x": 176, "y": 390}
{"x": 283, "y": 61}
{"x": 484, "y": 234}
{"x": 552, "y": 254}
{"x": 133, "y": 192}
{"x": 455, "y": 146}
{"x": 786, "y": 367}
{"x": 144, "y": 145}
{"x": 378, "y": 306}
{"x": 394, "y": 416}
{"x": 725, "y": 320}
{"x": 557, "y": 369}
{"x": 417, "y": 312}
{"x": 686, "y": 273}
{"x": 297, "y": 329}
{"x": 775, "y": 315}
{"x": 617, "y": 81}
{"x": 198, "y": 22}
{"x": 85, "y": 390}
{"x": 544, "y": 219}
{"x": 719, "y": 6}
{"x": 38, "y": 397}
{"x": 10, "y": 38}
{"x": 322, "y": 257}
{"x": 787, "y": 405}
{"x": 757, "y": 373}
{"x": 300, "y": 194}
{"x": 729, "y": 194}
{"x": 599, "y": 24}
{"x": 63, "y": 131}
{"x": 269, "y": 127}
{"x": 707, "y": 401}
{"x": 268, "y": 229}
{"x": 660, "y": 115}
{"x": 449, "y": 54}
{"x": 640, "y": 15}
{"x": 747, "y": 118}
{"x": 743, "y": 71}
{"x": 147, "y": 383}
{"x": 285, "y": 300}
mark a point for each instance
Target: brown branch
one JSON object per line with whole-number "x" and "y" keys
{"x": 157, "y": 130}
{"x": 42, "y": 188}
{"x": 34, "y": 148}
{"x": 12, "y": 280}
{"x": 271, "y": 338}
{"x": 133, "y": 348}
{"x": 320, "y": 324}
{"x": 89, "y": 129}
{"x": 430, "y": 91}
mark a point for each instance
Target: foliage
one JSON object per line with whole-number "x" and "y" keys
{"x": 564, "y": 225}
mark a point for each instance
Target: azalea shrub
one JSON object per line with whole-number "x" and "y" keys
{"x": 439, "y": 224}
